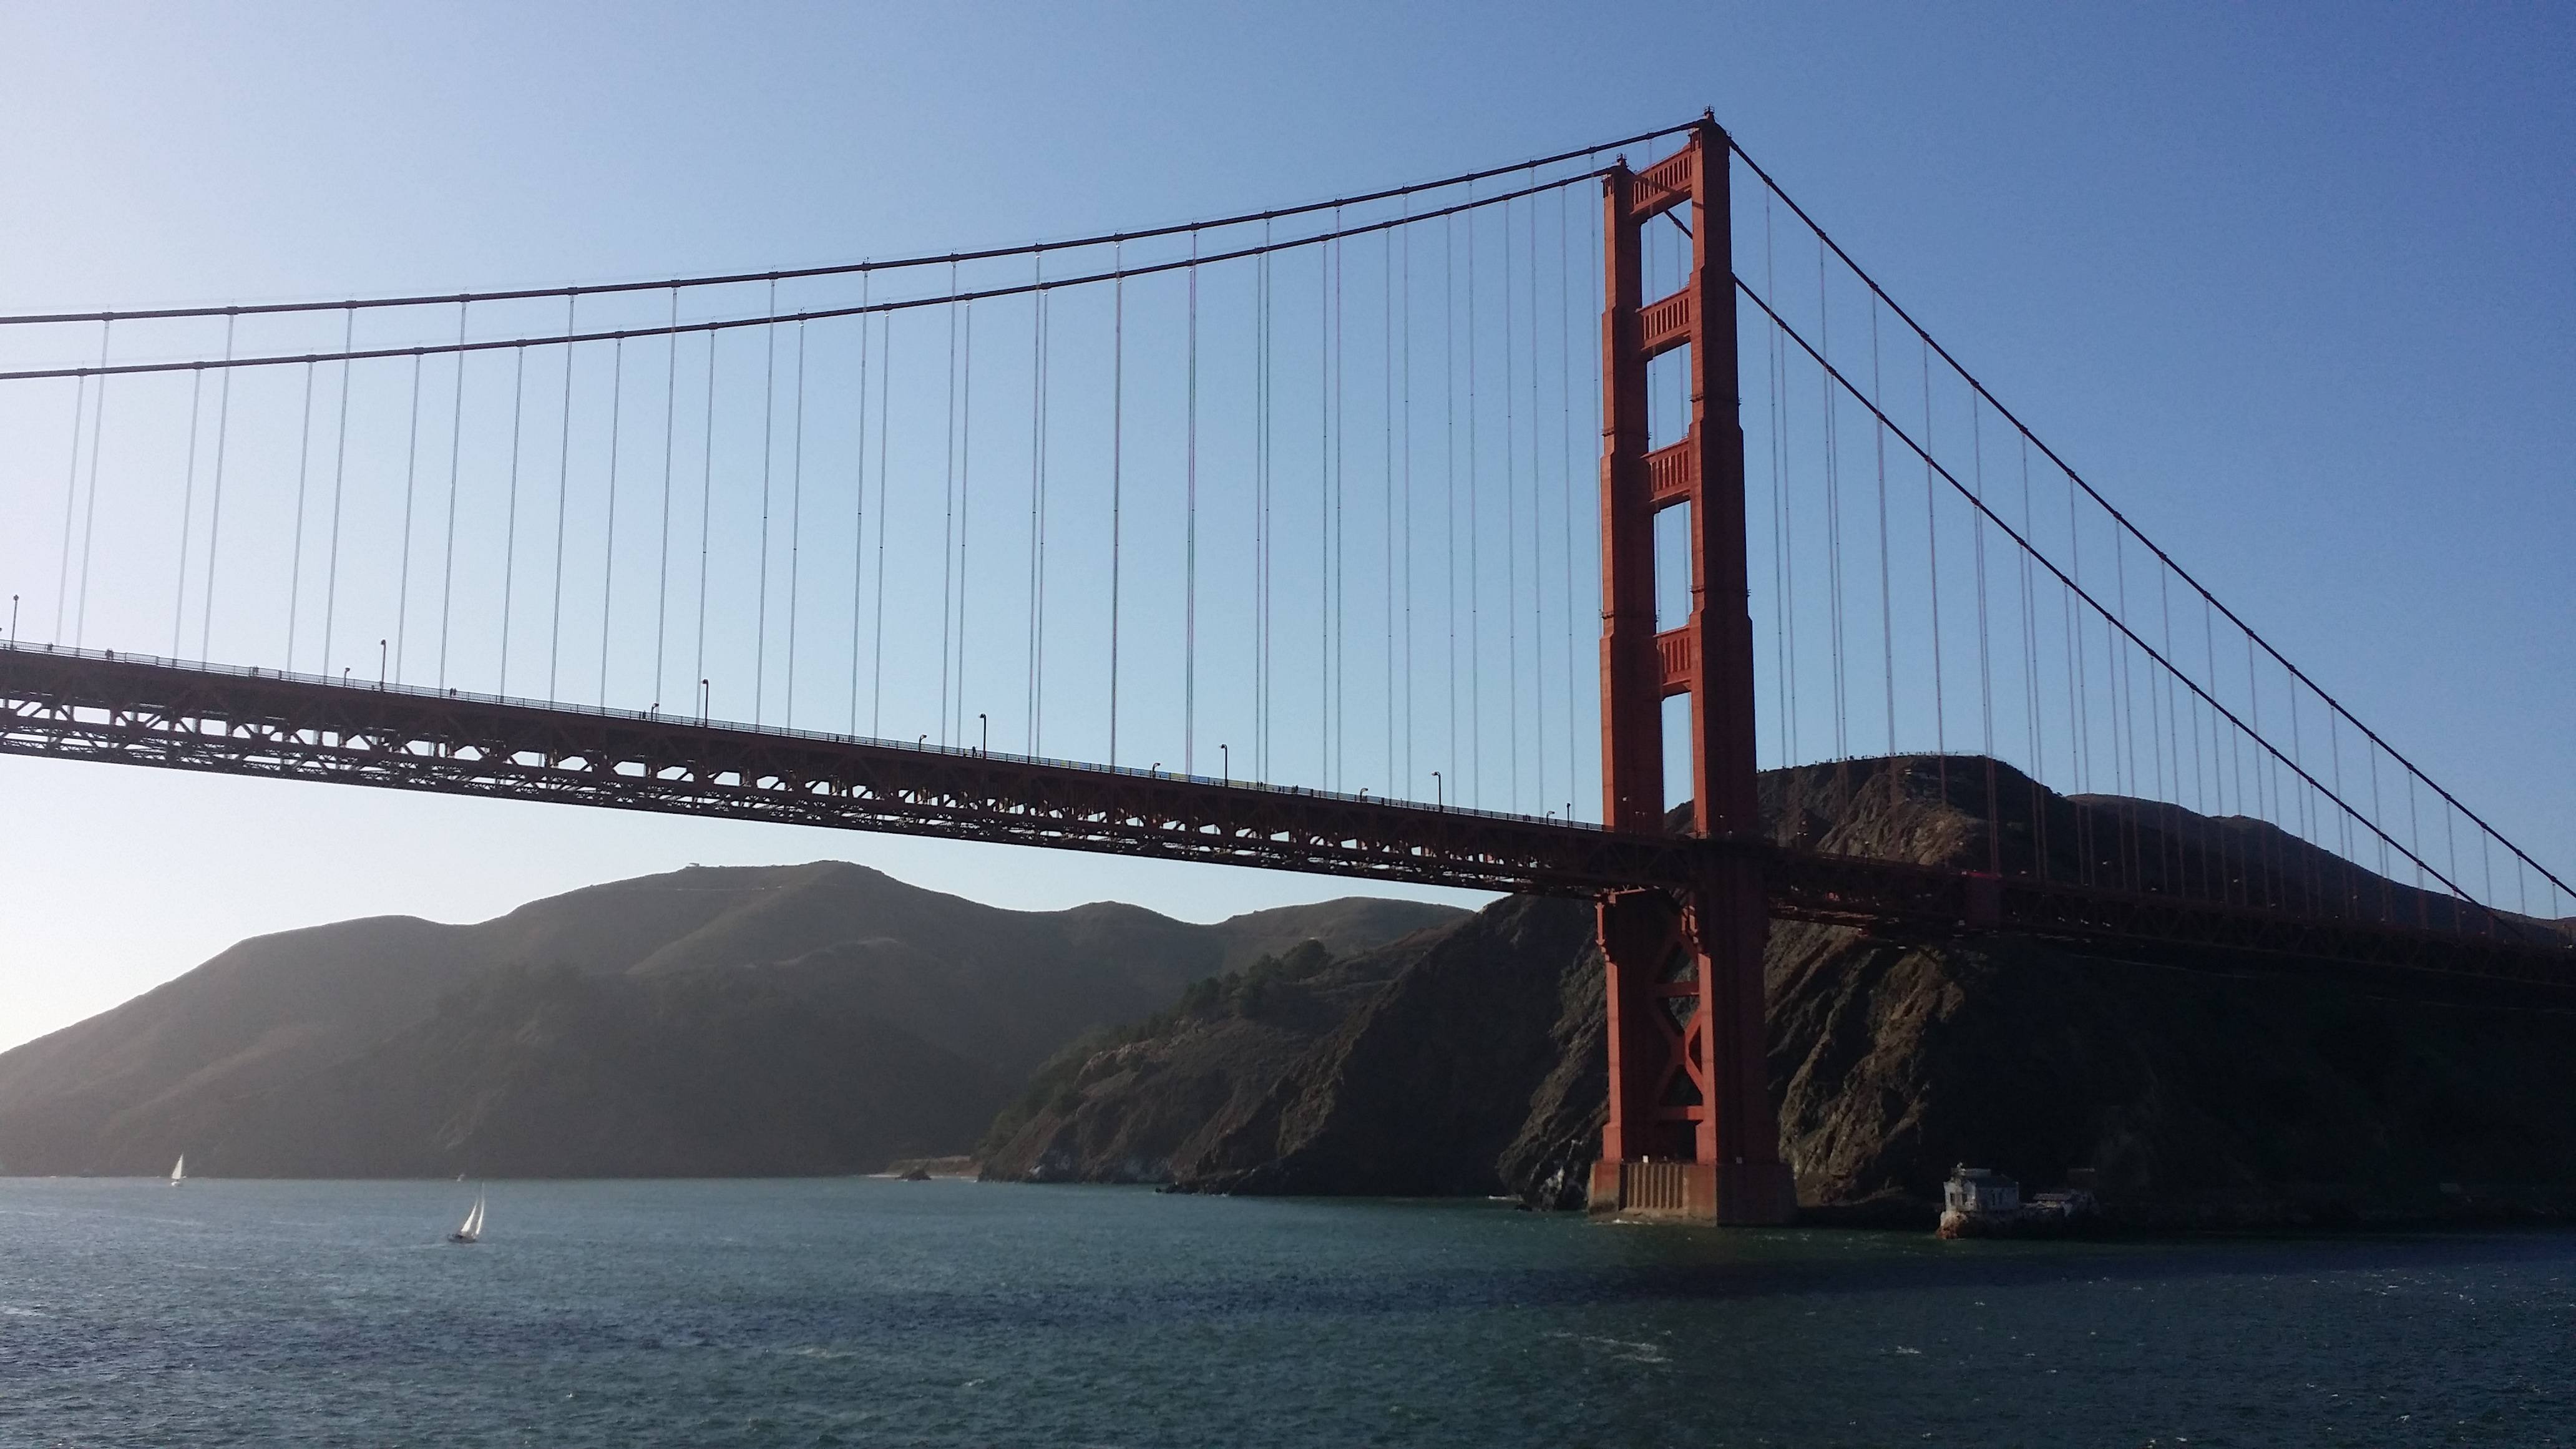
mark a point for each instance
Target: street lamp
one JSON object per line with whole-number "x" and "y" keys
{"x": 1225, "y": 766}
{"x": 1438, "y": 792}
{"x": 988, "y": 731}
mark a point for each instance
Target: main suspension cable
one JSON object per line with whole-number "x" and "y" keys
{"x": 859, "y": 268}
{"x": 2078, "y": 591}
{"x": 2131, "y": 528}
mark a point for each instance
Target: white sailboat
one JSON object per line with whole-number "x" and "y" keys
{"x": 179, "y": 1170}
{"x": 471, "y": 1231}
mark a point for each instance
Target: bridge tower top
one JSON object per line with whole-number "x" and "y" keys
{"x": 1709, "y": 655}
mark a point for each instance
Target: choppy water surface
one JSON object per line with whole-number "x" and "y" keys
{"x": 871, "y": 1312}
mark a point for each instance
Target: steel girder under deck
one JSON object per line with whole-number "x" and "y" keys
{"x": 151, "y": 712}
{"x": 66, "y": 705}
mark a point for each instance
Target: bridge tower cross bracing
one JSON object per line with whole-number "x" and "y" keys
{"x": 1691, "y": 1132}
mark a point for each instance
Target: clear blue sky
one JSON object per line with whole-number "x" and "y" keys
{"x": 2295, "y": 285}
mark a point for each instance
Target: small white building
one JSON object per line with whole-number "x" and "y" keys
{"x": 1980, "y": 1192}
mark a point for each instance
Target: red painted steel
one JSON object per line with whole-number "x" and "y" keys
{"x": 1685, "y": 1009}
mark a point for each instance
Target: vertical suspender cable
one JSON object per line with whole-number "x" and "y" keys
{"x": 2217, "y": 767}
{"x": 1037, "y": 529}
{"x": 2164, "y": 607}
{"x": 1886, "y": 602}
{"x": 89, "y": 510}
{"x": 1386, "y": 480}
{"x": 455, "y": 451}
{"x": 948, "y": 531}
{"x": 768, "y": 440}
{"x": 1037, "y": 428}
{"x": 2378, "y": 813}
{"x": 795, "y": 528}
{"x": 965, "y": 510}
{"x": 608, "y": 534}
{"x": 2038, "y": 763}
{"x": 1117, "y": 471}
{"x": 2125, "y": 737}
{"x": 662, "y": 550}
{"x": 1511, "y": 528}
{"x": 885, "y": 510}
{"x": 1932, "y": 544}
{"x": 1449, "y": 464}
{"x": 411, "y": 480}
{"x": 706, "y": 522}
{"x": 1565, "y": 474}
{"x": 1985, "y": 666}
{"x": 1539, "y": 594}
{"x": 1833, "y": 533}
{"x": 215, "y": 513}
{"x": 2079, "y": 693}
{"x": 1261, "y": 511}
{"x": 1411, "y": 785}
{"x": 563, "y": 493}
{"x": 510, "y": 517}
{"x": 1190, "y": 543}
{"x": 295, "y": 547}
{"x": 339, "y": 477}
{"x": 187, "y": 508}
{"x": 1326, "y": 381}
{"x": 71, "y": 490}
{"x": 1475, "y": 571}
{"x": 1784, "y": 595}
{"x": 1340, "y": 550}
{"x": 2254, "y": 713}
{"x": 859, "y": 512}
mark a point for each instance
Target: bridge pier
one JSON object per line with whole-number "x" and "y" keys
{"x": 1691, "y": 1133}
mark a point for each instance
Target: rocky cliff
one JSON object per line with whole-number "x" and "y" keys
{"x": 2214, "y": 1091}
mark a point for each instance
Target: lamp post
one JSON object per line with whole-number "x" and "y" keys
{"x": 1225, "y": 766}
{"x": 1439, "y": 789}
{"x": 988, "y": 731}
{"x": 706, "y": 700}
{"x": 380, "y": 664}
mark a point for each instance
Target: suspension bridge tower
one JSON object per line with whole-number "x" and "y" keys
{"x": 1692, "y": 1132}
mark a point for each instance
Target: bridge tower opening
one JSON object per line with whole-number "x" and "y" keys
{"x": 1692, "y": 1132}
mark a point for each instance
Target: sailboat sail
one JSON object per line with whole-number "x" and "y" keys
{"x": 472, "y": 1228}
{"x": 179, "y": 1170}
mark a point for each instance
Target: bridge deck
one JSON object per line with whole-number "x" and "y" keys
{"x": 96, "y": 706}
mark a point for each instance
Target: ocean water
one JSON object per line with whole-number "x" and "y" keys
{"x": 869, "y": 1312}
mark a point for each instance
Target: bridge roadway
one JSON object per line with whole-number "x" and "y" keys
{"x": 96, "y": 705}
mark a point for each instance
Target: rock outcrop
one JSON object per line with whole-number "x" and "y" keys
{"x": 2197, "y": 1090}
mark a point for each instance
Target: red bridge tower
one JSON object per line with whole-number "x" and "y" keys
{"x": 1692, "y": 1132}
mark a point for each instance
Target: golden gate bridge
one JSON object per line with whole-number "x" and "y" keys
{"x": 1387, "y": 507}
